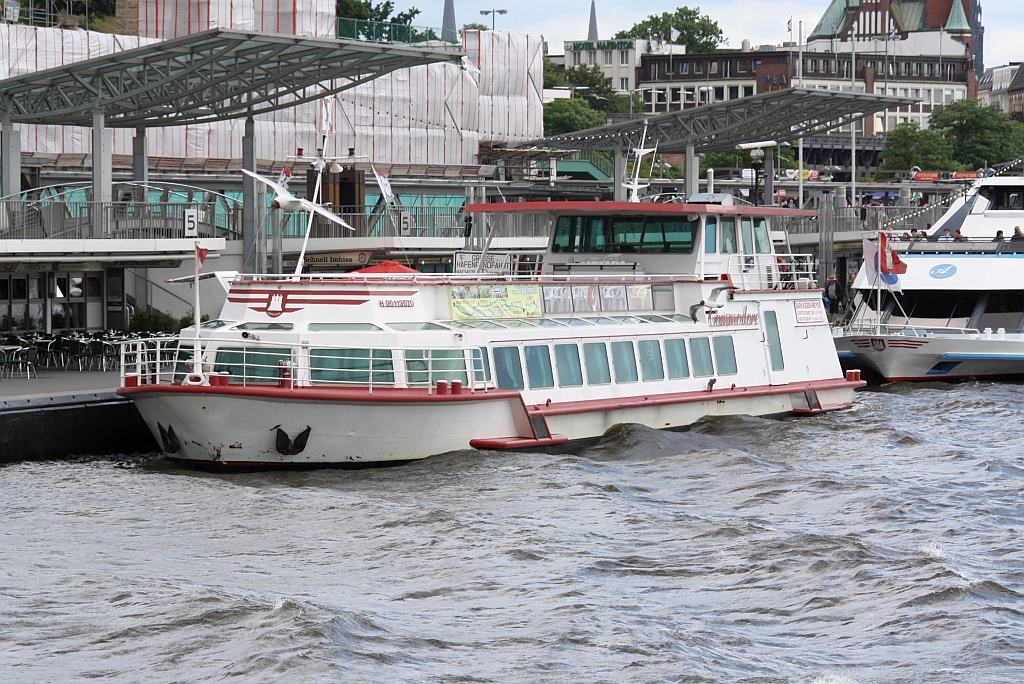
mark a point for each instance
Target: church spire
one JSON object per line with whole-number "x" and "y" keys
{"x": 449, "y": 31}
{"x": 592, "y": 34}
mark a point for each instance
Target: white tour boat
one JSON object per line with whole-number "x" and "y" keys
{"x": 648, "y": 313}
{"x": 957, "y": 312}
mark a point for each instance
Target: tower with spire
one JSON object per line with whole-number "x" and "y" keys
{"x": 592, "y": 33}
{"x": 449, "y": 31}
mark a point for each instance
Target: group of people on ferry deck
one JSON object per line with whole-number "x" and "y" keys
{"x": 920, "y": 236}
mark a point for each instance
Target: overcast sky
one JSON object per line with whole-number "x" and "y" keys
{"x": 759, "y": 20}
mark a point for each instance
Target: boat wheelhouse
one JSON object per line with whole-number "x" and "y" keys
{"x": 958, "y": 310}
{"x": 648, "y": 313}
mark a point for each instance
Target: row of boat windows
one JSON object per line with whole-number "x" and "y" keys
{"x": 658, "y": 235}
{"x": 598, "y": 363}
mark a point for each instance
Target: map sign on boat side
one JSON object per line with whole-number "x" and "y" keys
{"x": 495, "y": 301}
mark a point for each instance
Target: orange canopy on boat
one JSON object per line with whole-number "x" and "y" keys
{"x": 387, "y": 267}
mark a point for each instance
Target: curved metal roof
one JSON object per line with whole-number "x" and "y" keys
{"x": 782, "y": 115}
{"x": 208, "y": 76}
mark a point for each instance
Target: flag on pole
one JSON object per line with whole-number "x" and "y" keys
{"x": 789, "y": 25}
{"x": 876, "y": 277}
{"x": 200, "y": 258}
{"x": 286, "y": 175}
{"x": 675, "y": 33}
{"x": 893, "y": 32}
{"x": 325, "y": 125}
{"x": 384, "y": 184}
{"x": 891, "y": 262}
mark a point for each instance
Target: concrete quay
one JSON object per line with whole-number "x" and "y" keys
{"x": 68, "y": 413}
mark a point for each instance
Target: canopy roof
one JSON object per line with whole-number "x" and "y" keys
{"x": 781, "y": 115}
{"x": 208, "y": 76}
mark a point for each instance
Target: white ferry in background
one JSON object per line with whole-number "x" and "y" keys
{"x": 648, "y": 313}
{"x": 958, "y": 310}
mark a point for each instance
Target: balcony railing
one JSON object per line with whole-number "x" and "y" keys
{"x": 379, "y": 32}
{"x": 54, "y": 220}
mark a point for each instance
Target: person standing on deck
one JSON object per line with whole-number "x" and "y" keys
{"x": 836, "y": 294}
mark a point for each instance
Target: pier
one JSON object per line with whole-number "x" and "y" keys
{"x": 67, "y": 413}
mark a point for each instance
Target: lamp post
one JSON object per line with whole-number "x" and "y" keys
{"x": 756, "y": 161}
{"x": 707, "y": 90}
{"x": 492, "y": 12}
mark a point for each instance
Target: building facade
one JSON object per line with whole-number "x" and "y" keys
{"x": 618, "y": 59}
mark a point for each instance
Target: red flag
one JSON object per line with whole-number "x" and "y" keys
{"x": 890, "y": 261}
{"x": 200, "y": 258}
{"x": 789, "y": 25}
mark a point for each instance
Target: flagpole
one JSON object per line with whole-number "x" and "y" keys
{"x": 800, "y": 75}
{"x": 197, "y": 357}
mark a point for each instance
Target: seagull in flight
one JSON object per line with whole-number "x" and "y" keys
{"x": 289, "y": 202}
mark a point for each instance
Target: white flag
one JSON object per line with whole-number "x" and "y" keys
{"x": 675, "y": 33}
{"x": 384, "y": 185}
{"x": 325, "y": 126}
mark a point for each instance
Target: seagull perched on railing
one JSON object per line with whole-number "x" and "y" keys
{"x": 289, "y": 202}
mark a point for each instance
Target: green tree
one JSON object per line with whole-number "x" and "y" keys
{"x": 480, "y": 27}
{"x": 570, "y": 114}
{"x": 553, "y": 76}
{"x": 907, "y": 146}
{"x": 365, "y": 10}
{"x": 978, "y": 135}
{"x": 591, "y": 83}
{"x": 698, "y": 32}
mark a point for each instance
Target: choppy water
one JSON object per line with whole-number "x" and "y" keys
{"x": 881, "y": 544}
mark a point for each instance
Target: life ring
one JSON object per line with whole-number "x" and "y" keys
{"x": 193, "y": 379}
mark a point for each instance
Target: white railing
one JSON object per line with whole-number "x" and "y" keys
{"x": 255, "y": 363}
{"x": 772, "y": 271}
{"x": 48, "y": 219}
{"x": 904, "y": 330}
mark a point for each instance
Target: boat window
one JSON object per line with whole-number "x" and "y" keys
{"x": 762, "y": 240}
{"x": 462, "y": 325}
{"x": 663, "y": 298}
{"x": 579, "y": 234}
{"x": 538, "y": 367}
{"x": 508, "y": 369}
{"x": 567, "y": 363}
{"x": 595, "y": 354}
{"x": 517, "y": 323}
{"x": 481, "y": 325}
{"x": 680, "y": 318}
{"x": 728, "y": 233}
{"x": 543, "y": 322}
{"x": 604, "y": 321}
{"x": 624, "y": 360}
{"x": 573, "y": 321}
{"x": 586, "y": 298}
{"x": 680, "y": 235}
{"x": 1004, "y": 198}
{"x": 747, "y": 232}
{"x": 427, "y": 366}
{"x": 314, "y": 327}
{"x": 481, "y": 365}
{"x": 626, "y": 234}
{"x": 700, "y": 352}
{"x": 613, "y": 297}
{"x": 408, "y": 326}
{"x": 263, "y": 326}
{"x": 557, "y": 299}
{"x": 208, "y": 325}
{"x": 655, "y": 319}
{"x": 627, "y": 319}
{"x": 675, "y": 357}
{"x": 710, "y": 233}
{"x": 771, "y": 323}
{"x": 328, "y": 366}
{"x": 639, "y": 297}
{"x": 251, "y": 364}
{"x": 725, "y": 355}
{"x": 650, "y": 360}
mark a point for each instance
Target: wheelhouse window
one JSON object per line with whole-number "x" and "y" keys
{"x": 728, "y": 233}
{"x": 710, "y": 233}
{"x": 625, "y": 234}
{"x": 762, "y": 239}
{"x": 579, "y": 234}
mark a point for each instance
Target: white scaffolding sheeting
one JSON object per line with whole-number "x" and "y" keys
{"x": 435, "y": 114}
{"x": 163, "y": 19}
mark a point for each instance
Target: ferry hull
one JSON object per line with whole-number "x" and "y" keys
{"x": 235, "y": 428}
{"x": 899, "y": 357}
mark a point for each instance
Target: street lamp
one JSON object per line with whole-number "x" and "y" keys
{"x": 706, "y": 90}
{"x": 492, "y": 12}
{"x": 756, "y": 162}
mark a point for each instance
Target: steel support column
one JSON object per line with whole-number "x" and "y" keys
{"x": 769, "y": 177}
{"x": 249, "y": 198}
{"x": 10, "y": 156}
{"x": 140, "y": 162}
{"x": 102, "y": 170}
{"x": 618, "y": 174}
{"x": 692, "y": 172}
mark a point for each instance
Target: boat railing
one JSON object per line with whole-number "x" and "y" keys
{"x": 581, "y": 277}
{"x": 905, "y": 330}
{"x": 266, "y": 363}
{"x": 772, "y": 271}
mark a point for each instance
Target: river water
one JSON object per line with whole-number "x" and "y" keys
{"x": 879, "y": 544}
